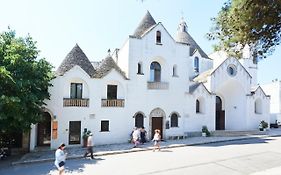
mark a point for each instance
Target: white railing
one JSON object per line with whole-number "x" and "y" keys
{"x": 69, "y": 102}
{"x": 157, "y": 85}
{"x": 112, "y": 102}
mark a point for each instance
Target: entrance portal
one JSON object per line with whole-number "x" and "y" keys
{"x": 220, "y": 115}
{"x": 157, "y": 123}
{"x": 44, "y": 131}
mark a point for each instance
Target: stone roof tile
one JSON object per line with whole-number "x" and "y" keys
{"x": 146, "y": 23}
{"x": 76, "y": 57}
{"x": 105, "y": 67}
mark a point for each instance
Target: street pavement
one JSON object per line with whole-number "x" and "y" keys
{"x": 78, "y": 152}
{"x": 43, "y": 158}
{"x": 255, "y": 156}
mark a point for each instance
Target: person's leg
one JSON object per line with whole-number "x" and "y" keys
{"x": 135, "y": 143}
{"x": 61, "y": 170}
{"x": 91, "y": 151}
{"x": 87, "y": 151}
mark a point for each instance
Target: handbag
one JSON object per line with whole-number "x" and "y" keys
{"x": 61, "y": 164}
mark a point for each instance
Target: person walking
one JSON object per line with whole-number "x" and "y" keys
{"x": 60, "y": 156}
{"x": 142, "y": 135}
{"x": 90, "y": 145}
{"x": 156, "y": 139}
{"x": 136, "y": 136}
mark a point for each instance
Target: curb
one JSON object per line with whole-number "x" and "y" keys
{"x": 145, "y": 149}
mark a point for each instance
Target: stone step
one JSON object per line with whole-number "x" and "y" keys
{"x": 228, "y": 133}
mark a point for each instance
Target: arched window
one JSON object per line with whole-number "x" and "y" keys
{"x": 197, "y": 106}
{"x": 158, "y": 37}
{"x": 175, "y": 71}
{"x": 139, "y": 120}
{"x": 196, "y": 64}
{"x": 155, "y": 72}
{"x": 258, "y": 106}
{"x": 174, "y": 120}
{"x": 139, "y": 68}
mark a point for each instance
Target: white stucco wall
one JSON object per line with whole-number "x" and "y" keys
{"x": 274, "y": 90}
{"x": 175, "y": 98}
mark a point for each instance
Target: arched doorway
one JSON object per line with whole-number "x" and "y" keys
{"x": 157, "y": 116}
{"x": 220, "y": 115}
{"x": 44, "y": 130}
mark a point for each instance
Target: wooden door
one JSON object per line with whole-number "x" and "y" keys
{"x": 44, "y": 131}
{"x": 220, "y": 115}
{"x": 157, "y": 123}
{"x": 220, "y": 120}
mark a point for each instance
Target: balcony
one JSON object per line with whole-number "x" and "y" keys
{"x": 73, "y": 102}
{"x": 112, "y": 102}
{"x": 157, "y": 85}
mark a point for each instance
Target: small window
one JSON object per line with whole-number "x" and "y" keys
{"x": 140, "y": 68}
{"x": 184, "y": 28}
{"x": 104, "y": 126}
{"x": 196, "y": 64}
{"x": 76, "y": 90}
{"x": 139, "y": 120}
{"x": 111, "y": 92}
{"x": 197, "y": 106}
{"x": 74, "y": 132}
{"x": 174, "y": 120}
{"x": 158, "y": 37}
{"x": 175, "y": 71}
{"x": 231, "y": 70}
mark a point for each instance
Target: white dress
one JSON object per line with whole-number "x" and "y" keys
{"x": 60, "y": 156}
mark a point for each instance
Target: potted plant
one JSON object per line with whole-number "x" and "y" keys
{"x": 263, "y": 125}
{"x": 205, "y": 131}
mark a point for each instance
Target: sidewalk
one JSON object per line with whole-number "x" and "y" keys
{"x": 77, "y": 152}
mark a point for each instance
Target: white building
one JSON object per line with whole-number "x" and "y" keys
{"x": 274, "y": 90}
{"x": 155, "y": 81}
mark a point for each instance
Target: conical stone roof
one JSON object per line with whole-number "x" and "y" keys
{"x": 105, "y": 67}
{"x": 146, "y": 23}
{"x": 184, "y": 37}
{"x": 76, "y": 57}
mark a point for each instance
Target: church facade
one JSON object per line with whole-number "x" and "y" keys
{"x": 155, "y": 81}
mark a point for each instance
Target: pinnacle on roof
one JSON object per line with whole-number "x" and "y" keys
{"x": 184, "y": 37}
{"x": 76, "y": 57}
{"x": 146, "y": 23}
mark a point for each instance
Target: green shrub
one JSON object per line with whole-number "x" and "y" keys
{"x": 205, "y": 130}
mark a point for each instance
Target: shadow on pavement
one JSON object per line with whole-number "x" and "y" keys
{"x": 78, "y": 165}
{"x": 48, "y": 168}
{"x": 238, "y": 142}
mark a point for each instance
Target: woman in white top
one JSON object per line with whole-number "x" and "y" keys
{"x": 136, "y": 136}
{"x": 60, "y": 158}
{"x": 157, "y": 139}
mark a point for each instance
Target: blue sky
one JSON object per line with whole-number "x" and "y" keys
{"x": 57, "y": 25}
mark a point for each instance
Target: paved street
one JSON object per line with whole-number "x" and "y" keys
{"x": 259, "y": 156}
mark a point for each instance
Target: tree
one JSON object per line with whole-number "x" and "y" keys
{"x": 256, "y": 23}
{"x": 24, "y": 82}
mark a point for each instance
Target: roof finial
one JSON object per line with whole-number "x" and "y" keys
{"x": 182, "y": 14}
{"x": 109, "y": 52}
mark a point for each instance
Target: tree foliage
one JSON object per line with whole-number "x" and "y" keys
{"x": 256, "y": 23}
{"x": 24, "y": 82}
